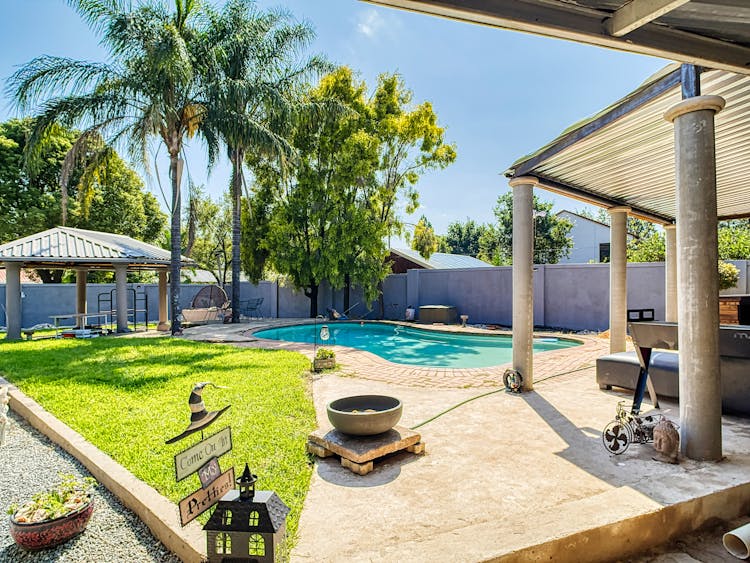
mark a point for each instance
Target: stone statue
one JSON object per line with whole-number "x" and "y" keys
{"x": 4, "y": 421}
{"x": 666, "y": 441}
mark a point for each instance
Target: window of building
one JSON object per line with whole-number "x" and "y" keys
{"x": 254, "y": 518}
{"x": 226, "y": 518}
{"x": 257, "y": 545}
{"x": 223, "y": 543}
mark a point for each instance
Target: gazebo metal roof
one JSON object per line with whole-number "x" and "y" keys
{"x": 64, "y": 247}
{"x": 711, "y": 33}
{"x": 625, "y": 154}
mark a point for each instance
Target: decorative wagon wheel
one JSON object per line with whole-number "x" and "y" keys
{"x": 617, "y": 436}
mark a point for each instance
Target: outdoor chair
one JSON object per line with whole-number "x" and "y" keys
{"x": 251, "y": 308}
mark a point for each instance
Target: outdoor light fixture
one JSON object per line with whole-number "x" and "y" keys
{"x": 324, "y": 333}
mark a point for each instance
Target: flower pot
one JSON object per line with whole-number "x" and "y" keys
{"x": 320, "y": 364}
{"x": 49, "y": 533}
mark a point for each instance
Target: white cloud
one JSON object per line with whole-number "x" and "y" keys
{"x": 370, "y": 22}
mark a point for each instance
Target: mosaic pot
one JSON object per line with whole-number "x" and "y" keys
{"x": 49, "y": 533}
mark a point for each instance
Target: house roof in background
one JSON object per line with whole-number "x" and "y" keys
{"x": 65, "y": 247}
{"x": 441, "y": 260}
{"x": 710, "y": 33}
{"x": 26, "y": 277}
{"x": 579, "y": 216}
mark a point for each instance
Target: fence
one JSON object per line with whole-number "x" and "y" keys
{"x": 570, "y": 296}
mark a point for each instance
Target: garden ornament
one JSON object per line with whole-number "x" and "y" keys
{"x": 666, "y": 441}
{"x": 200, "y": 417}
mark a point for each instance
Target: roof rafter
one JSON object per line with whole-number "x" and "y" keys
{"x": 638, "y": 13}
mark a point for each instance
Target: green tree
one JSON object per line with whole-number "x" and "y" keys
{"x": 148, "y": 89}
{"x": 255, "y": 66}
{"x": 734, "y": 240}
{"x": 424, "y": 240}
{"x": 648, "y": 249}
{"x": 463, "y": 238}
{"x": 551, "y": 240}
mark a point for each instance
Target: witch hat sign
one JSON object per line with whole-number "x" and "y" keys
{"x": 200, "y": 418}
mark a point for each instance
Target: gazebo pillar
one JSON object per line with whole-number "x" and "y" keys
{"x": 523, "y": 278}
{"x": 121, "y": 285}
{"x": 697, "y": 277}
{"x": 670, "y": 273}
{"x": 163, "y": 320}
{"x": 618, "y": 278}
{"x": 13, "y": 300}
{"x": 81, "y": 308}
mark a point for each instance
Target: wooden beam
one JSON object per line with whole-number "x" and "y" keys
{"x": 565, "y": 20}
{"x": 638, "y": 13}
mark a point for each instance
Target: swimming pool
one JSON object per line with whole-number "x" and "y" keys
{"x": 413, "y": 346}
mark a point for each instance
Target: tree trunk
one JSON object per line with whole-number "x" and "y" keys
{"x": 237, "y": 156}
{"x": 312, "y": 293}
{"x": 175, "y": 173}
{"x": 347, "y": 289}
{"x": 50, "y": 276}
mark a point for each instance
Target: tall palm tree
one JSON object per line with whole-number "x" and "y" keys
{"x": 148, "y": 89}
{"x": 256, "y": 63}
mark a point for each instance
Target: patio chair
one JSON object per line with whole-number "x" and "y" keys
{"x": 210, "y": 304}
{"x": 251, "y": 308}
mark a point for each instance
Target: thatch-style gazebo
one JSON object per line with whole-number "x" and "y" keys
{"x": 82, "y": 250}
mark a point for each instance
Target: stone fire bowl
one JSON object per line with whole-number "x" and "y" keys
{"x": 364, "y": 415}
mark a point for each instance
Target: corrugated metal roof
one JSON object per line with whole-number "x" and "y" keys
{"x": 66, "y": 246}
{"x": 631, "y": 160}
{"x": 441, "y": 260}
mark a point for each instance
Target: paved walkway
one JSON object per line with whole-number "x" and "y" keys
{"x": 365, "y": 365}
{"x": 508, "y": 477}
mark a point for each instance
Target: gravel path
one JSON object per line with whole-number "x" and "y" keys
{"x": 29, "y": 462}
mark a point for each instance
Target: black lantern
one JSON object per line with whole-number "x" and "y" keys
{"x": 247, "y": 525}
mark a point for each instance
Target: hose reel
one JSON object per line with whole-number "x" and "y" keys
{"x": 513, "y": 381}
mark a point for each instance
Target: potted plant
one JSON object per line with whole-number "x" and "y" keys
{"x": 324, "y": 359}
{"x": 54, "y": 516}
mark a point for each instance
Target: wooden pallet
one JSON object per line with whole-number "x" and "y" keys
{"x": 358, "y": 453}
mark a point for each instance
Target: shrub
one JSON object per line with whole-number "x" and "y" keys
{"x": 729, "y": 275}
{"x": 324, "y": 353}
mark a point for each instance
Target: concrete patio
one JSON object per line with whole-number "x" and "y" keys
{"x": 506, "y": 477}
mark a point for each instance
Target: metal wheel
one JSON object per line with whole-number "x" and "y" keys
{"x": 617, "y": 436}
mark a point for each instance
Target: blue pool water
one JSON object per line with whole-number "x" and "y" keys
{"x": 413, "y": 346}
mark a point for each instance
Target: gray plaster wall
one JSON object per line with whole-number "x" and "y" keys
{"x": 569, "y": 296}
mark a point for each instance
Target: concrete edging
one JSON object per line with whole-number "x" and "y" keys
{"x": 154, "y": 510}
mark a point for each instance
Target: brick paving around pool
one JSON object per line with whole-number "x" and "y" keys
{"x": 365, "y": 365}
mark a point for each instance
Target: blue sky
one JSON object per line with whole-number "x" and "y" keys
{"x": 500, "y": 94}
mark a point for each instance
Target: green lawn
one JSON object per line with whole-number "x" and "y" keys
{"x": 128, "y": 395}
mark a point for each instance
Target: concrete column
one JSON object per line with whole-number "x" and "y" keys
{"x": 81, "y": 308}
{"x": 697, "y": 276}
{"x": 13, "y": 300}
{"x": 618, "y": 278}
{"x": 670, "y": 274}
{"x": 121, "y": 285}
{"x": 523, "y": 278}
{"x": 163, "y": 319}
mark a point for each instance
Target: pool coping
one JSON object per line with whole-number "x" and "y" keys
{"x": 354, "y": 362}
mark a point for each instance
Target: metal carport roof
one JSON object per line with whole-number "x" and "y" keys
{"x": 625, "y": 154}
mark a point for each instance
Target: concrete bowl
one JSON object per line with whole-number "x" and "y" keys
{"x": 364, "y": 415}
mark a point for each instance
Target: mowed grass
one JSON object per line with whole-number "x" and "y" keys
{"x": 128, "y": 395}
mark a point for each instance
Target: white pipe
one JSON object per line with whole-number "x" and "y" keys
{"x": 737, "y": 542}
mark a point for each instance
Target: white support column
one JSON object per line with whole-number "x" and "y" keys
{"x": 670, "y": 273}
{"x": 121, "y": 285}
{"x": 163, "y": 319}
{"x": 13, "y": 300}
{"x": 618, "y": 278}
{"x": 523, "y": 278}
{"x": 697, "y": 276}
{"x": 81, "y": 308}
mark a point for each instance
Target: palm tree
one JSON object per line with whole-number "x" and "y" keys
{"x": 255, "y": 67}
{"x": 148, "y": 89}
